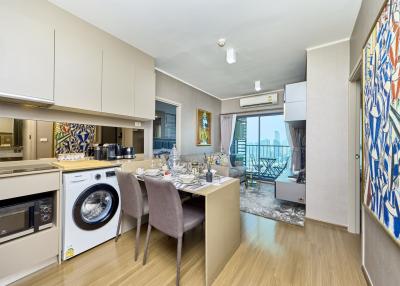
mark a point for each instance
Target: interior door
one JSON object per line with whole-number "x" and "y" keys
{"x": 358, "y": 165}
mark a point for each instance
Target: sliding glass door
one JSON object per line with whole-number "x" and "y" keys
{"x": 262, "y": 143}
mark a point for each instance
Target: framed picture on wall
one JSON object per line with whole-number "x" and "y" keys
{"x": 203, "y": 133}
{"x": 72, "y": 137}
{"x": 381, "y": 120}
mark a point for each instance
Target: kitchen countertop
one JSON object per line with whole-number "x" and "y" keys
{"x": 30, "y": 164}
{"x": 82, "y": 165}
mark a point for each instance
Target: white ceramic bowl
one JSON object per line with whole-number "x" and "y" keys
{"x": 187, "y": 179}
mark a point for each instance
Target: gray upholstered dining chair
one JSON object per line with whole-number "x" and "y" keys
{"x": 134, "y": 203}
{"x": 167, "y": 214}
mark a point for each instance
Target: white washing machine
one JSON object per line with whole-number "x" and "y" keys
{"x": 91, "y": 207}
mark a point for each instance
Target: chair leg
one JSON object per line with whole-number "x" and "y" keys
{"x": 119, "y": 226}
{"x": 138, "y": 225}
{"x": 146, "y": 245}
{"x": 178, "y": 260}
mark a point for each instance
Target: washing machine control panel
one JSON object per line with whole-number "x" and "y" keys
{"x": 110, "y": 174}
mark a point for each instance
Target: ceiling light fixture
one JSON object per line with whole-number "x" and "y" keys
{"x": 257, "y": 85}
{"x": 221, "y": 42}
{"x": 230, "y": 56}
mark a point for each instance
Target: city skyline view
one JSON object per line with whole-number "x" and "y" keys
{"x": 272, "y": 130}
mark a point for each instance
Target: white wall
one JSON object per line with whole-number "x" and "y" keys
{"x": 327, "y": 133}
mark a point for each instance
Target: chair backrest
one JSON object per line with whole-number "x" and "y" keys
{"x": 165, "y": 207}
{"x": 131, "y": 194}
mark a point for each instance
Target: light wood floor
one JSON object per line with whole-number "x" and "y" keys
{"x": 271, "y": 253}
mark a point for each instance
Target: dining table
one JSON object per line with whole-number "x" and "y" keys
{"x": 222, "y": 217}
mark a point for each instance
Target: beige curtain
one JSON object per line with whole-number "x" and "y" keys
{"x": 228, "y": 123}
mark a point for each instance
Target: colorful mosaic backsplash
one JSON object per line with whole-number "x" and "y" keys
{"x": 73, "y": 137}
{"x": 381, "y": 132}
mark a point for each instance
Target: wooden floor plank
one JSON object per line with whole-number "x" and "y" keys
{"x": 271, "y": 253}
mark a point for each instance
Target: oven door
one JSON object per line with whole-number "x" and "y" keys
{"x": 16, "y": 221}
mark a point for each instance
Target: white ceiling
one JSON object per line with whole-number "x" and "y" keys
{"x": 270, "y": 36}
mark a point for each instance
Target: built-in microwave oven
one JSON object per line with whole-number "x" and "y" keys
{"x": 25, "y": 215}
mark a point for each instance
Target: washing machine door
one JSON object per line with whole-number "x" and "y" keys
{"x": 95, "y": 206}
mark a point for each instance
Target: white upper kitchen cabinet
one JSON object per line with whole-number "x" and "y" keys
{"x": 78, "y": 66}
{"x": 26, "y": 53}
{"x": 295, "y": 106}
{"x": 296, "y": 92}
{"x": 145, "y": 86}
{"x": 118, "y": 93}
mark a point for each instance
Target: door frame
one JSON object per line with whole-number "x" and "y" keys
{"x": 354, "y": 156}
{"x": 178, "y": 107}
{"x": 259, "y": 115}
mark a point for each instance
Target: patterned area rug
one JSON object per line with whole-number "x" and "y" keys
{"x": 261, "y": 201}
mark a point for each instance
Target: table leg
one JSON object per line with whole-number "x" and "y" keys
{"x": 222, "y": 236}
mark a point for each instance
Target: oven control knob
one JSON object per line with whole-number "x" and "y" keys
{"x": 97, "y": 177}
{"x": 45, "y": 209}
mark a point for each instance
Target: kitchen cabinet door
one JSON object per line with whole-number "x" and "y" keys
{"x": 78, "y": 67}
{"x": 118, "y": 78}
{"x": 26, "y": 54}
{"x": 145, "y": 87}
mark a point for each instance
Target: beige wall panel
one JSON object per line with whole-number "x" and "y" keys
{"x": 191, "y": 99}
{"x": 222, "y": 228}
{"x": 327, "y": 133}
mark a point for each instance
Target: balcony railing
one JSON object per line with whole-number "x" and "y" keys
{"x": 266, "y": 162}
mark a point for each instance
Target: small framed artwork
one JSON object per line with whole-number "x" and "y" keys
{"x": 203, "y": 137}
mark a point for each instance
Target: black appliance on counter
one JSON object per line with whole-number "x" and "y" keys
{"x": 25, "y": 215}
{"x": 109, "y": 152}
{"x": 119, "y": 151}
{"x": 129, "y": 153}
{"x": 98, "y": 152}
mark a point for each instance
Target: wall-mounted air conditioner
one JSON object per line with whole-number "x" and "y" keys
{"x": 259, "y": 100}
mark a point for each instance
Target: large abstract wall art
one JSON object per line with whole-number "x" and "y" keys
{"x": 72, "y": 137}
{"x": 381, "y": 119}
